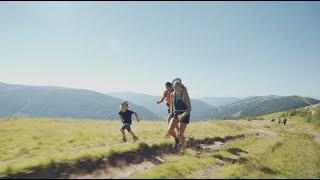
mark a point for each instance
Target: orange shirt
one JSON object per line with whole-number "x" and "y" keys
{"x": 166, "y": 94}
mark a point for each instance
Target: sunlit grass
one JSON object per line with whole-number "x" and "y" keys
{"x": 27, "y": 143}
{"x": 292, "y": 153}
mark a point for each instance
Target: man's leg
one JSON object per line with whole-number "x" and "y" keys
{"x": 171, "y": 130}
{"x": 169, "y": 118}
{"x": 172, "y": 125}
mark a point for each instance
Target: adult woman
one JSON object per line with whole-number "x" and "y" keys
{"x": 180, "y": 109}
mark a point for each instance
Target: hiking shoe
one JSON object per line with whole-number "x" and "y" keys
{"x": 124, "y": 140}
{"x": 176, "y": 144}
{"x": 135, "y": 138}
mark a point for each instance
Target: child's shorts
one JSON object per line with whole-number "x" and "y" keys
{"x": 126, "y": 126}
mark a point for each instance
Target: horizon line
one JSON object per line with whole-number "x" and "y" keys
{"x": 135, "y": 92}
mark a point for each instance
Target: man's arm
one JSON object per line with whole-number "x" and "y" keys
{"x": 162, "y": 98}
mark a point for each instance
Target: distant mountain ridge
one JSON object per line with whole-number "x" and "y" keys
{"x": 49, "y": 101}
{"x": 199, "y": 108}
{"x": 219, "y": 101}
{"x": 261, "y": 105}
{"x": 234, "y": 108}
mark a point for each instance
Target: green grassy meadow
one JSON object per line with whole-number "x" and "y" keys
{"x": 278, "y": 152}
{"x": 27, "y": 143}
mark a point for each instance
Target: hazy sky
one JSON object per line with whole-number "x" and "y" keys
{"x": 216, "y": 48}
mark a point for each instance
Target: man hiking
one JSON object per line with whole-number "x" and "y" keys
{"x": 166, "y": 96}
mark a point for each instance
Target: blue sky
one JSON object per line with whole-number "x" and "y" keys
{"x": 216, "y": 48}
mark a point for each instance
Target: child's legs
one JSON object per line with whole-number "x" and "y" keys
{"x": 129, "y": 130}
{"x": 123, "y": 133}
{"x": 124, "y": 127}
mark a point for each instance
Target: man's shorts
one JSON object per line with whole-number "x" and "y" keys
{"x": 168, "y": 105}
{"x": 126, "y": 126}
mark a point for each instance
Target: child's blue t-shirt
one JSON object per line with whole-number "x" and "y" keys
{"x": 126, "y": 116}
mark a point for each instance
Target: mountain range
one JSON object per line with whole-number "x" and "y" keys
{"x": 226, "y": 108}
{"x": 219, "y": 101}
{"x": 49, "y": 101}
{"x": 260, "y": 105}
{"x": 199, "y": 108}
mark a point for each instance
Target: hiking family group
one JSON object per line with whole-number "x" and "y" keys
{"x": 179, "y": 108}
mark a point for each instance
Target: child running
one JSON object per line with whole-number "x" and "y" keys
{"x": 125, "y": 115}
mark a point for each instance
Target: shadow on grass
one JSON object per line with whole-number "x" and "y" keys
{"x": 236, "y": 151}
{"x": 89, "y": 164}
{"x": 226, "y": 159}
{"x": 268, "y": 170}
